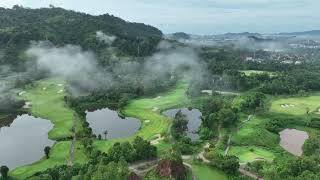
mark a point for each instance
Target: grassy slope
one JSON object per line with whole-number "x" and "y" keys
{"x": 254, "y": 133}
{"x": 58, "y": 156}
{"x": 49, "y": 104}
{"x": 251, "y": 153}
{"x": 254, "y": 141}
{"x": 300, "y": 104}
{"x": 204, "y": 172}
{"x": 143, "y": 110}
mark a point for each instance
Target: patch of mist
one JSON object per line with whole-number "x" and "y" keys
{"x": 70, "y": 63}
{"x": 105, "y": 38}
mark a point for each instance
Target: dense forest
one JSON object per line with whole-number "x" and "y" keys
{"x": 19, "y": 26}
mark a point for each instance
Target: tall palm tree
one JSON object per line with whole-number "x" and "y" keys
{"x": 105, "y": 134}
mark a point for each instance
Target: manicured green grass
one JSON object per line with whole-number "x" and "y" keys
{"x": 162, "y": 149}
{"x": 204, "y": 172}
{"x": 49, "y": 104}
{"x": 58, "y": 156}
{"x": 152, "y": 122}
{"x": 254, "y": 133}
{"x": 251, "y": 153}
{"x": 253, "y": 72}
{"x": 299, "y": 105}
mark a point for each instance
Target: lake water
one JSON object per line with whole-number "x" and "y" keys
{"x": 193, "y": 117}
{"x": 22, "y": 141}
{"x": 106, "y": 119}
{"x": 292, "y": 140}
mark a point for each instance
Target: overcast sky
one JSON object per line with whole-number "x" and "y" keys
{"x": 200, "y": 16}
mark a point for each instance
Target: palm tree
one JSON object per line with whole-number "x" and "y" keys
{"x": 105, "y": 134}
{"x": 47, "y": 151}
{"x": 4, "y": 171}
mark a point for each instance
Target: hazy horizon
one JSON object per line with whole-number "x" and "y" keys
{"x": 203, "y": 18}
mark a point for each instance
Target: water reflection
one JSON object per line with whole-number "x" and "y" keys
{"x": 22, "y": 140}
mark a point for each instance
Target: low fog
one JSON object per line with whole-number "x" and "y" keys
{"x": 80, "y": 68}
{"x": 70, "y": 63}
{"x": 105, "y": 38}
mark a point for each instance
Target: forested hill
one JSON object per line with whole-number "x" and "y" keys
{"x": 18, "y": 26}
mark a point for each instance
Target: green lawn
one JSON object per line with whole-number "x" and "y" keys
{"x": 251, "y": 153}
{"x": 204, "y": 172}
{"x": 254, "y": 133}
{"x": 143, "y": 109}
{"x": 296, "y": 105}
{"x": 58, "y": 156}
{"x": 48, "y": 103}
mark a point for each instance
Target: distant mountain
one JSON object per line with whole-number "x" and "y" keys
{"x": 178, "y": 36}
{"x": 304, "y": 33}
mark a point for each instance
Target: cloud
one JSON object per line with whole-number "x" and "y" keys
{"x": 105, "y": 38}
{"x": 70, "y": 63}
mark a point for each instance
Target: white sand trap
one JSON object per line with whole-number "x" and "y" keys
{"x": 287, "y": 105}
{"x": 157, "y": 98}
{"x": 209, "y": 92}
{"x": 27, "y": 105}
{"x": 44, "y": 88}
{"x": 21, "y": 93}
{"x": 155, "y": 109}
{"x": 60, "y": 85}
{"x": 147, "y": 121}
{"x": 60, "y": 91}
{"x": 157, "y": 140}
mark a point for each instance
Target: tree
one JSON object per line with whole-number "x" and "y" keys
{"x": 227, "y": 117}
{"x": 143, "y": 148}
{"x": 4, "y": 171}
{"x": 105, "y": 134}
{"x": 179, "y": 125}
{"x": 47, "y": 150}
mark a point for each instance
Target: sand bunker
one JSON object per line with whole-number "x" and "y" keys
{"x": 292, "y": 140}
{"x": 147, "y": 121}
{"x": 287, "y": 105}
{"x": 209, "y": 92}
{"x": 157, "y": 98}
{"x": 60, "y": 85}
{"x": 44, "y": 88}
{"x": 154, "y": 109}
{"x": 21, "y": 93}
{"x": 60, "y": 91}
{"x": 157, "y": 140}
{"x": 27, "y": 105}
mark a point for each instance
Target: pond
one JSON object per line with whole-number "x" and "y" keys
{"x": 108, "y": 120}
{"x": 292, "y": 140}
{"x": 193, "y": 117}
{"x": 23, "y": 139}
